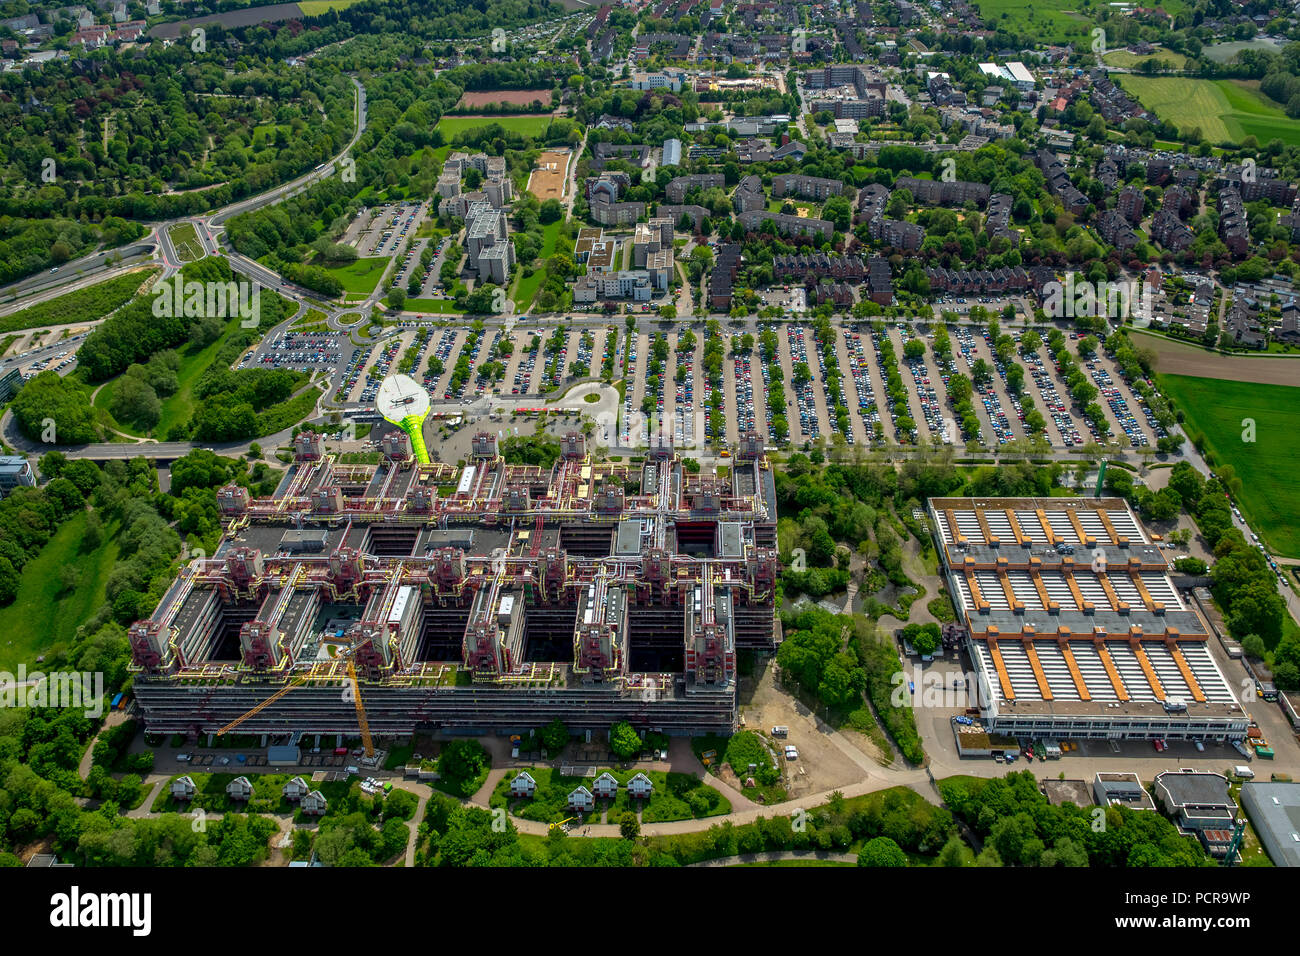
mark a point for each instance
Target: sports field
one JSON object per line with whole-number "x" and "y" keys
{"x": 525, "y": 125}
{"x": 1222, "y": 411}
{"x": 1225, "y": 110}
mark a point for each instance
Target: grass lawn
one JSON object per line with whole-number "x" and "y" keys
{"x": 676, "y": 796}
{"x": 1051, "y": 21}
{"x": 360, "y": 277}
{"x": 525, "y": 125}
{"x": 314, "y": 8}
{"x": 526, "y": 288}
{"x": 1224, "y": 110}
{"x": 268, "y": 796}
{"x": 1216, "y": 409}
{"x": 441, "y": 306}
{"x": 1123, "y": 58}
{"x": 43, "y": 614}
{"x": 186, "y": 241}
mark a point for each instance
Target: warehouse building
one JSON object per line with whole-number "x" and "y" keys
{"x": 1073, "y": 625}
{"x": 1274, "y": 811}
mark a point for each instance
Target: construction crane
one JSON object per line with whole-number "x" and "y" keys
{"x": 366, "y": 740}
{"x": 260, "y": 707}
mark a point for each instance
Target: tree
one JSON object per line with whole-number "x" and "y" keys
{"x": 8, "y": 581}
{"x": 624, "y": 741}
{"x": 881, "y": 851}
{"x": 550, "y": 212}
{"x": 629, "y": 827}
{"x": 397, "y": 299}
{"x": 555, "y": 736}
{"x": 956, "y": 853}
{"x": 461, "y": 763}
{"x": 1252, "y": 645}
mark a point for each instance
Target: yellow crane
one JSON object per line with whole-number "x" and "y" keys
{"x": 366, "y": 740}
{"x": 361, "y": 710}
{"x": 260, "y": 707}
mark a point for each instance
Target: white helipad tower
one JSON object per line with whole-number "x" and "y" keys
{"x": 404, "y": 403}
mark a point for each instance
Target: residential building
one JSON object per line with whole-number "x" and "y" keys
{"x": 15, "y": 472}
{"x": 523, "y": 785}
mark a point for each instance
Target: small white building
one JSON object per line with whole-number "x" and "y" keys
{"x": 296, "y": 789}
{"x": 640, "y": 787}
{"x": 523, "y": 785}
{"x": 240, "y": 789}
{"x": 314, "y": 803}
{"x": 606, "y": 786}
{"x": 582, "y": 800}
{"x": 183, "y": 788}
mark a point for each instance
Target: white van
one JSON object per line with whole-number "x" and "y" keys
{"x": 1241, "y": 770}
{"x": 780, "y": 731}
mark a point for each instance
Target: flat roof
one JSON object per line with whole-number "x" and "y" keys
{"x": 1274, "y": 810}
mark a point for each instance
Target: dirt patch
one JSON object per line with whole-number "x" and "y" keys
{"x": 550, "y": 177}
{"x": 821, "y": 765}
{"x": 1178, "y": 358}
{"x": 476, "y": 99}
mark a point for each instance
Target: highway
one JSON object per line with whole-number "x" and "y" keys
{"x": 157, "y": 244}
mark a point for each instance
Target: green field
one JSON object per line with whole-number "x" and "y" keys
{"x": 1132, "y": 61}
{"x": 360, "y": 277}
{"x": 314, "y": 8}
{"x": 1216, "y": 409}
{"x": 440, "y": 306}
{"x": 1224, "y": 110}
{"x": 1050, "y": 21}
{"x": 186, "y": 241}
{"x": 44, "y": 614}
{"x": 526, "y": 125}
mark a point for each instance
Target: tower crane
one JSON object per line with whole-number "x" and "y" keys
{"x": 354, "y": 685}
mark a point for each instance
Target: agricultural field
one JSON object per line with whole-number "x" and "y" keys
{"x": 1219, "y": 410}
{"x": 1224, "y": 110}
{"x": 314, "y": 8}
{"x": 477, "y": 99}
{"x": 525, "y": 125}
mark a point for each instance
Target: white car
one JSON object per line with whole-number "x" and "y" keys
{"x": 791, "y": 753}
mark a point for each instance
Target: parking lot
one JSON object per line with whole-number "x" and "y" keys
{"x": 383, "y": 230}
{"x": 681, "y": 394}
{"x": 298, "y": 352}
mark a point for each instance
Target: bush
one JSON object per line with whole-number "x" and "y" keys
{"x": 460, "y": 765}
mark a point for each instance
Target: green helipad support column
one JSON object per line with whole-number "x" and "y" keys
{"x": 403, "y": 402}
